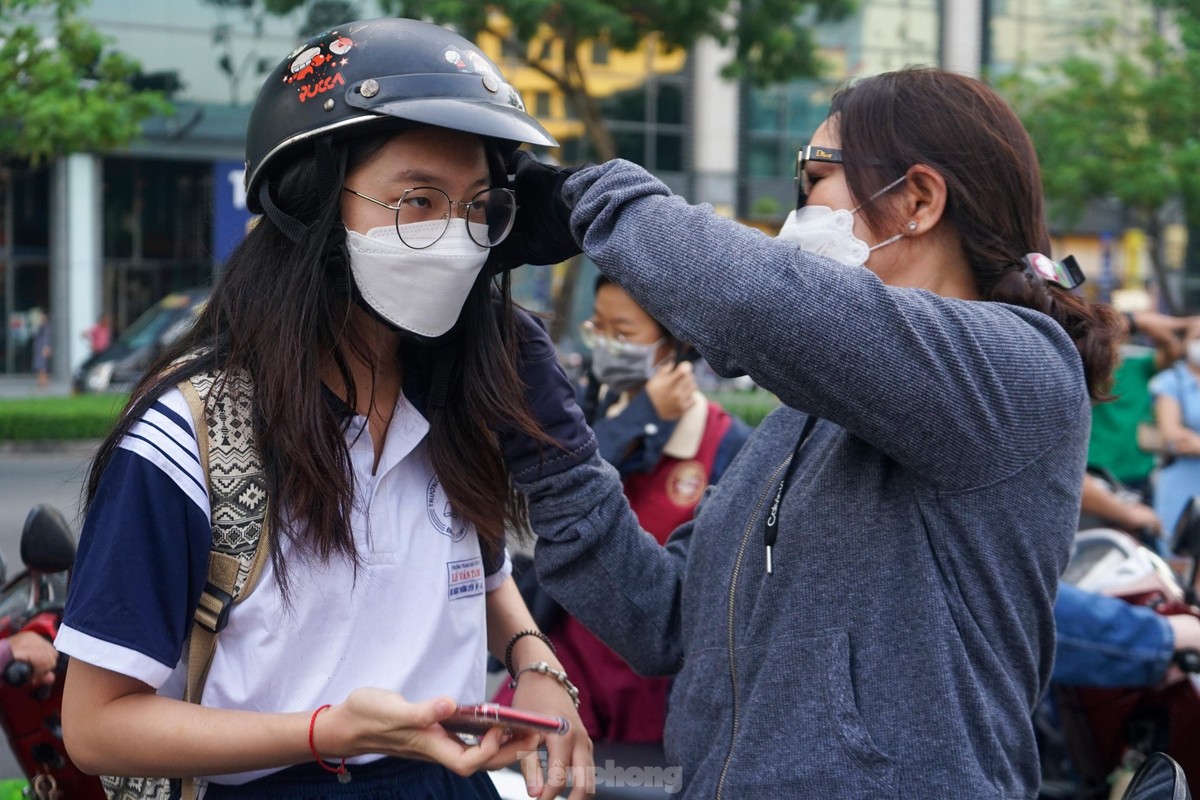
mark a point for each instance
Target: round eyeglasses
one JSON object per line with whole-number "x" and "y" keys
{"x": 615, "y": 344}
{"x": 489, "y": 215}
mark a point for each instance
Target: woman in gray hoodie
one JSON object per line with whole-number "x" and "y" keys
{"x": 863, "y": 606}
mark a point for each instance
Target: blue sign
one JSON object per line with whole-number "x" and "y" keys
{"x": 231, "y": 219}
{"x": 1108, "y": 278}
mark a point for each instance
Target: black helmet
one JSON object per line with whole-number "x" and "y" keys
{"x": 376, "y": 69}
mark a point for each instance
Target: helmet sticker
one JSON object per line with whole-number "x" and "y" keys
{"x": 471, "y": 62}
{"x": 317, "y": 69}
{"x": 514, "y": 97}
{"x": 482, "y": 65}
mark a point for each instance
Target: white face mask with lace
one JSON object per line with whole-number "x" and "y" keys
{"x": 829, "y": 233}
{"x": 422, "y": 291}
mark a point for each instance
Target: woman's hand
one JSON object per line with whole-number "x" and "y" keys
{"x": 381, "y": 721}
{"x": 36, "y": 651}
{"x": 568, "y": 756}
{"x": 672, "y": 390}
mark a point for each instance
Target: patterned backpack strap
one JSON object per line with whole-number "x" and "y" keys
{"x": 222, "y": 411}
{"x": 222, "y": 407}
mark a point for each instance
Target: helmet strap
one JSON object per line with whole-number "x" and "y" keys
{"x": 292, "y": 228}
{"x": 327, "y": 166}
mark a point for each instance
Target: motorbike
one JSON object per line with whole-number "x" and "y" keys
{"x": 1110, "y": 731}
{"x": 33, "y": 600}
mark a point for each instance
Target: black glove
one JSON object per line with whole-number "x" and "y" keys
{"x": 551, "y": 398}
{"x": 541, "y": 233}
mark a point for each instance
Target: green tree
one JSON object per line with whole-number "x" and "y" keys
{"x": 62, "y": 89}
{"x": 1124, "y": 122}
{"x": 771, "y": 39}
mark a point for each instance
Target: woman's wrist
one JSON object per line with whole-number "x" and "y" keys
{"x": 511, "y": 650}
{"x": 528, "y": 650}
{"x": 543, "y": 669}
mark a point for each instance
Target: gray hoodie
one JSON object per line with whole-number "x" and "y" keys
{"x": 905, "y": 634}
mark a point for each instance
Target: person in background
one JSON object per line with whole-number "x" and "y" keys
{"x": 669, "y": 443}
{"x": 1176, "y": 392}
{"x": 665, "y": 438}
{"x": 1106, "y": 504}
{"x": 99, "y": 336}
{"x": 43, "y": 346}
{"x": 1113, "y": 443}
{"x": 1105, "y": 641}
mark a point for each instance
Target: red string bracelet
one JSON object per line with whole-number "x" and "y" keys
{"x": 343, "y": 774}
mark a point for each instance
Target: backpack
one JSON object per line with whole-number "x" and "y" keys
{"x": 237, "y": 488}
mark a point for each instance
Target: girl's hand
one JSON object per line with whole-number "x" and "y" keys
{"x": 381, "y": 721}
{"x": 569, "y": 757}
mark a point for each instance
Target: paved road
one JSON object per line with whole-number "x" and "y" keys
{"x": 28, "y": 477}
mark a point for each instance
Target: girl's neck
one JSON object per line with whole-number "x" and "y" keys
{"x": 371, "y": 352}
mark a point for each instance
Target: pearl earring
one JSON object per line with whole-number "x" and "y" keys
{"x": 912, "y": 226}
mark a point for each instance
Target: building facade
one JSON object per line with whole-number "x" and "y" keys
{"x": 91, "y": 234}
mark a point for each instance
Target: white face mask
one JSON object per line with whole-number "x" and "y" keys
{"x": 1193, "y": 353}
{"x": 829, "y": 233}
{"x": 422, "y": 291}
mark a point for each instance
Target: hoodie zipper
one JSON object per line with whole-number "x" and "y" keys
{"x": 737, "y": 568}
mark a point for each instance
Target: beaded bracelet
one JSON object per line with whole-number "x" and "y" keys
{"x": 545, "y": 669}
{"x": 511, "y": 642}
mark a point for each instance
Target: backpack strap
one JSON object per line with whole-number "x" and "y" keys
{"x": 222, "y": 407}
{"x": 222, "y": 411}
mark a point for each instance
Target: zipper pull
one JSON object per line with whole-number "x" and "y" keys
{"x": 768, "y": 559}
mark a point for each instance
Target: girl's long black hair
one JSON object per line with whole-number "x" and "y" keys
{"x": 280, "y": 308}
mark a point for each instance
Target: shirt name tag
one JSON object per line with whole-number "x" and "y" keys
{"x": 465, "y": 578}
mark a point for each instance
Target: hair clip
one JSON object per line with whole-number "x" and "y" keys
{"x": 1065, "y": 274}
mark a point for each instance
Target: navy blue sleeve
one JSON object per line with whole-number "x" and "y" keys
{"x": 633, "y": 440}
{"x": 143, "y": 556}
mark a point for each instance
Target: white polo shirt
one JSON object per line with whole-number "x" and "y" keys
{"x": 412, "y": 619}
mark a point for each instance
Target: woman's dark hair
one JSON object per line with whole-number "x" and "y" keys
{"x": 280, "y": 307}
{"x": 604, "y": 280}
{"x": 965, "y": 131}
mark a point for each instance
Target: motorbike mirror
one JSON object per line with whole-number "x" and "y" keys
{"x": 1158, "y": 778}
{"x": 47, "y": 544}
{"x": 1186, "y": 538}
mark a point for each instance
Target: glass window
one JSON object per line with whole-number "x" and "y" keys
{"x": 631, "y": 145}
{"x": 668, "y": 152}
{"x": 763, "y": 158}
{"x": 31, "y": 210}
{"x": 627, "y": 106}
{"x": 599, "y": 52}
{"x": 670, "y": 104}
{"x": 763, "y": 110}
{"x": 118, "y": 203}
{"x": 176, "y": 204}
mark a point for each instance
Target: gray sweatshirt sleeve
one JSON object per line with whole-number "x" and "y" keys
{"x": 963, "y": 392}
{"x": 595, "y": 560}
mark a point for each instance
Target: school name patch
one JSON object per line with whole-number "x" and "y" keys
{"x": 466, "y": 578}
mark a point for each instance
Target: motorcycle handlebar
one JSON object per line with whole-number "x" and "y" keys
{"x": 17, "y": 673}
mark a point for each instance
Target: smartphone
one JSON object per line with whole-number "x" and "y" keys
{"x": 479, "y": 719}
